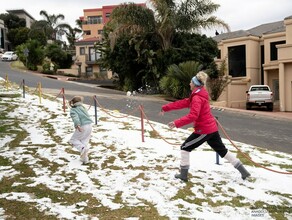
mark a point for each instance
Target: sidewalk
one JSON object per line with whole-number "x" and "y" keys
{"x": 276, "y": 114}
{"x": 58, "y": 77}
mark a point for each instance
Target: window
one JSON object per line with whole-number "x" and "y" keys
{"x": 262, "y": 62}
{"x": 100, "y": 32}
{"x": 237, "y": 61}
{"x": 94, "y": 54}
{"x": 107, "y": 15}
{"x": 1, "y": 38}
{"x": 260, "y": 89}
{"x": 89, "y": 69}
{"x": 276, "y": 89}
{"x": 94, "y": 20}
{"x": 219, "y": 54}
{"x": 82, "y": 50}
{"x": 274, "y": 50}
{"x": 87, "y": 32}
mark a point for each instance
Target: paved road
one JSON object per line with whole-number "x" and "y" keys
{"x": 254, "y": 129}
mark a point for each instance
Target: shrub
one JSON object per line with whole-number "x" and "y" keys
{"x": 177, "y": 79}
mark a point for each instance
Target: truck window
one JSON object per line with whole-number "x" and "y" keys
{"x": 259, "y": 89}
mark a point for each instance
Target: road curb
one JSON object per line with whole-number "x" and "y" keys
{"x": 257, "y": 113}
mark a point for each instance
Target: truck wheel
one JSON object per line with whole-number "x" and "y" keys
{"x": 248, "y": 106}
{"x": 270, "y": 107}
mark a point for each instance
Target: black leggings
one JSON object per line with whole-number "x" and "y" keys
{"x": 213, "y": 139}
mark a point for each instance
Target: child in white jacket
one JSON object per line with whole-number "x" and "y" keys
{"x": 83, "y": 127}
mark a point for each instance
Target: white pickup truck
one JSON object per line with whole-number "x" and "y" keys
{"x": 259, "y": 95}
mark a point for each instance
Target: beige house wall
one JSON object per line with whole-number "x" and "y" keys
{"x": 288, "y": 24}
{"x": 97, "y": 12}
{"x": 81, "y": 59}
{"x": 277, "y": 73}
{"x": 237, "y": 94}
{"x": 268, "y": 39}
{"x": 252, "y": 61}
{"x": 273, "y": 75}
{"x": 234, "y": 95}
{"x": 285, "y": 76}
{"x": 288, "y": 87}
{"x": 93, "y": 28}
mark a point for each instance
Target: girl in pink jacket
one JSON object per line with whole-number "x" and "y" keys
{"x": 205, "y": 126}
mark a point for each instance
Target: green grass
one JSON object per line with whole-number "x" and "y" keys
{"x": 18, "y": 65}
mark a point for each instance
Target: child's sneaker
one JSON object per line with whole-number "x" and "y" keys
{"x": 83, "y": 155}
{"x": 86, "y": 160}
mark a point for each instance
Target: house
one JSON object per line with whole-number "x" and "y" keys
{"x": 21, "y": 13}
{"x": 87, "y": 58}
{"x": 260, "y": 55}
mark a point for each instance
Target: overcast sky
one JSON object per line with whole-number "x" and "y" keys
{"x": 239, "y": 14}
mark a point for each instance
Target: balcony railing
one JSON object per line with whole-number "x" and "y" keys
{"x": 89, "y": 61}
{"x": 92, "y": 22}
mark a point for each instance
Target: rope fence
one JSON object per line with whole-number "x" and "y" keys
{"x": 143, "y": 116}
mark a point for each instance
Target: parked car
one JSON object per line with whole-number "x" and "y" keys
{"x": 259, "y": 95}
{"x": 9, "y": 56}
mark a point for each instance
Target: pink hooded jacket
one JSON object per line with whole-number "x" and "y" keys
{"x": 200, "y": 114}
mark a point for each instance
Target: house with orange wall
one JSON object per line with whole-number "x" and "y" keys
{"x": 87, "y": 57}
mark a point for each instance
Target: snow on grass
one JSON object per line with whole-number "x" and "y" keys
{"x": 127, "y": 178}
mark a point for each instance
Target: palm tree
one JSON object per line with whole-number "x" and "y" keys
{"x": 79, "y": 23}
{"x": 53, "y": 24}
{"x": 177, "y": 79}
{"x": 72, "y": 35}
{"x": 167, "y": 17}
{"x": 194, "y": 15}
{"x": 151, "y": 31}
{"x": 129, "y": 18}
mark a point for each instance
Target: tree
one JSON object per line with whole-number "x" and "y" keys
{"x": 18, "y": 36}
{"x": 177, "y": 79}
{"x": 35, "y": 56}
{"x": 72, "y": 35}
{"x": 79, "y": 24}
{"x": 12, "y": 21}
{"x": 164, "y": 23}
{"x": 168, "y": 17}
{"x": 192, "y": 46}
{"x": 40, "y": 29}
{"x": 60, "y": 58}
{"x": 122, "y": 60}
{"x": 52, "y": 22}
{"x": 217, "y": 80}
{"x": 38, "y": 35}
{"x": 14, "y": 25}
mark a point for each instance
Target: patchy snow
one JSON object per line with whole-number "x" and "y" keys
{"x": 137, "y": 173}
